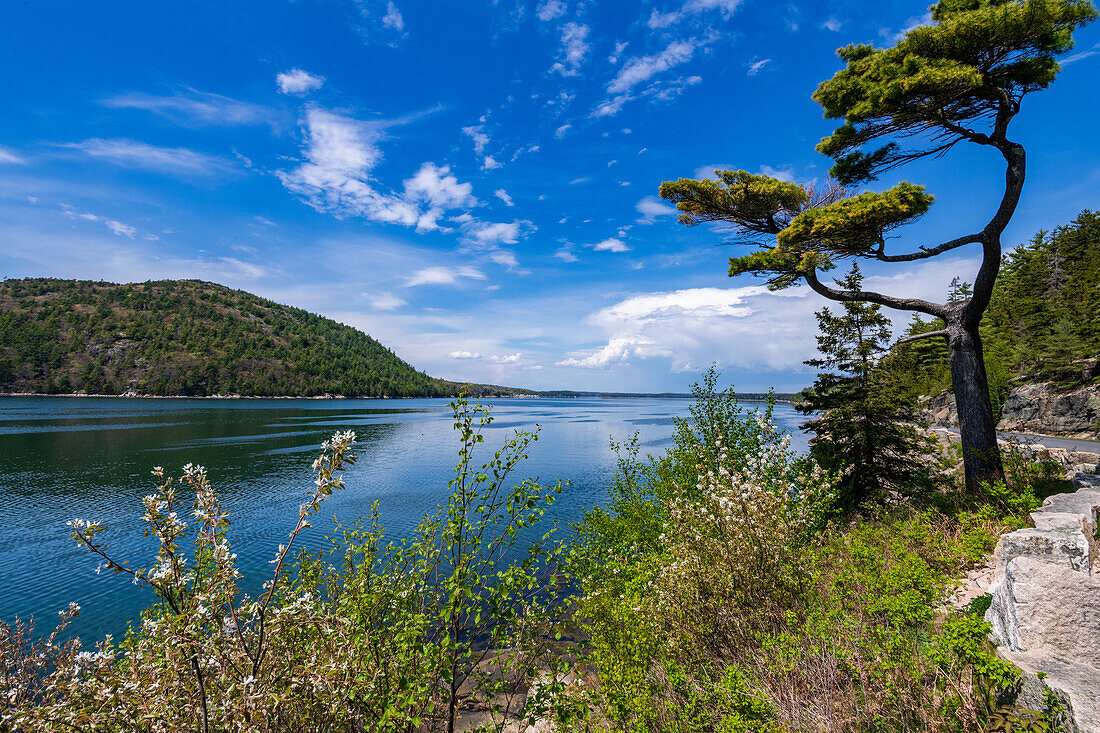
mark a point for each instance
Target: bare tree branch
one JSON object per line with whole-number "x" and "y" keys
{"x": 910, "y": 339}
{"x": 905, "y": 304}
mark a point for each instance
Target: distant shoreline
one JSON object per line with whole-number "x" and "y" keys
{"x": 552, "y": 395}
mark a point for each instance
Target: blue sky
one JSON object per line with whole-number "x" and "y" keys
{"x": 474, "y": 184}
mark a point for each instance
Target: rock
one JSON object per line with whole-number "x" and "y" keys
{"x": 1047, "y": 608}
{"x": 1075, "y": 685}
{"x": 1084, "y": 480}
{"x": 1040, "y": 408}
{"x": 1067, "y": 548}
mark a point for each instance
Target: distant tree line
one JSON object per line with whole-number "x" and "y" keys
{"x": 186, "y": 337}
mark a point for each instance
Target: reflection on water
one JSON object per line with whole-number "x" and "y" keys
{"x": 90, "y": 458}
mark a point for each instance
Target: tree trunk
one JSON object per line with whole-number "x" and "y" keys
{"x": 981, "y": 455}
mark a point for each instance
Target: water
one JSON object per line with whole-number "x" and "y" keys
{"x": 65, "y": 457}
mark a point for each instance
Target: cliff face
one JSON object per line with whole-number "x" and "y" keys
{"x": 1039, "y": 408}
{"x": 1033, "y": 408}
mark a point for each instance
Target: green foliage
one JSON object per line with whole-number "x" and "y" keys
{"x": 186, "y": 337}
{"x": 862, "y": 422}
{"x": 856, "y": 224}
{"x": 957, "y": 70}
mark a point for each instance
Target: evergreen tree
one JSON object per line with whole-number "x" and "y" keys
{"x": 861, "y": 429}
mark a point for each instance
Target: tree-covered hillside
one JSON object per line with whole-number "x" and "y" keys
{"x": 186, "y": 337}
{"x": 1043, "y": 322}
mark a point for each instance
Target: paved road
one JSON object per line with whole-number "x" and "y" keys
{"x": 1070, "y": 444}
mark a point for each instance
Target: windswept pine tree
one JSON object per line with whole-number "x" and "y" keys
{"x": 961, "y": 79}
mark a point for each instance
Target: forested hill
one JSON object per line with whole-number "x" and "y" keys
{"x": 187, "y": 337}
{"x": 1043, "y": 322}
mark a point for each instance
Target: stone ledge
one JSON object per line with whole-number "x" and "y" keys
{"x": 1045, "y": 612}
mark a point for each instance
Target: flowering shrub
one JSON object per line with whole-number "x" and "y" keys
{"x": 383, "y": 637}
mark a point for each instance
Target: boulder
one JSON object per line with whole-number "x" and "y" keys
{"x": 1046, "y": 608}
{"x": 1062, "y": 547}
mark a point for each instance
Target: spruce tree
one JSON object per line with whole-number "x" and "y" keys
{"x": 862, "y": 428}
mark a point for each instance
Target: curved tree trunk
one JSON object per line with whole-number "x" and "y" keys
{"x": 981, "y": 455}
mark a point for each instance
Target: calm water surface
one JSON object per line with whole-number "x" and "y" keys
{"x": 65, "y": 457}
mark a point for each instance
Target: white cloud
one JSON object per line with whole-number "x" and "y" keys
{"x": 611, "y": 245}
{"x": 191, "y": 106}
{"x": 565, "y": 254}
{"x": 651, "y": 208}
{"x": 443, "y": 275}
{"x": 562, "y": 131}
{"x": 435, "y": 186}
{"x": 832, "y": 24}
{"x": 484, "y": 234}
{"x": 463, "y": 355}
{"x": 385, "y": 301}
{"x": 477, "y": 134}
{"x": 642, "y": 68}
{"x": 782, "y": 174}
{"x": 297, "y": 81}
{"x": 120, "y": 229}
{"x": 620, "y": 46}
{"x": 501, "y": 194}
{"x": 612, "y": 106}
{"x": 549, "y": 9}
{"x": 335, "y": 177}
{"x": 757, "y": 66}
{"x": 142, "y": 155}
{"x": 489, "y": 163}
{"x": 696, "y": 326}
{"x": 7, "y": 156}
{"x": 393, "y": 18}
{"x": 658, "y": 19}
{"x": 574, "y": 48}
{"x": 506, "y": 359}
{"x": 1074, "y": 58}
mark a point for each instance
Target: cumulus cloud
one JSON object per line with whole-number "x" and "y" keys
{"x": 131, "y": 153}
{"x": 611, "y": 245}
{"x": 393, "y": 18}
{"x": 501, "y": 194}
{"x": 463, "y": 355}
{"x": 335, "y": 176}
{"x": 297, "y": 81}
{"x": 443, "y": 275}
{"x": 565, "y": 254}
{"x": 489, "y": 163}
{"x": 695, "y": 326}
{"x": 574, "y": 47}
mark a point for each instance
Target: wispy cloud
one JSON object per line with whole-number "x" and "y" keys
{"x": 1074, "y": 58}
{"x": 611, "y": 245}
{"x": 8, "y": 156}
{"x": 657, "y": 19}
{"x": 501, "y": 194}
{"x": 382, "y": 21}
{"x": 297, "y": 81}
{"x": 134, "y": 154}
{"x": 832, "y": 24}
{"x": 192, "y": 107}
{"x": 757, "y": 66}
{"x": 443, "y": 275}
{"x": 642, "y": 68}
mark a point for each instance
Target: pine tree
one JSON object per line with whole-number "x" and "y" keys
{"x": 861, "y": 428}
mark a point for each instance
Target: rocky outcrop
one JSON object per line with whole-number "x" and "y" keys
{"x": 1031, "y": 408}
{"x": 1045, "y": 612}
{"x": 1040, "y": 408}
